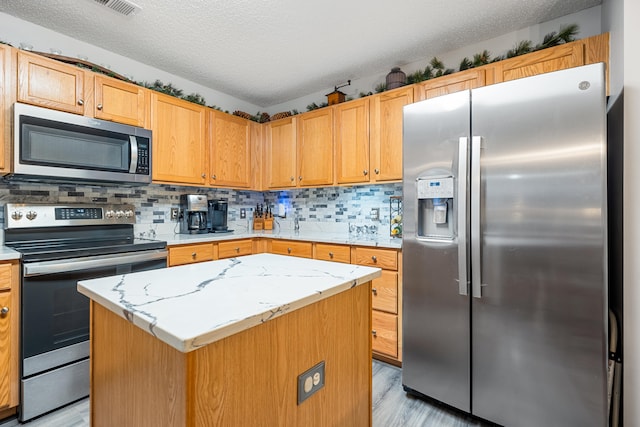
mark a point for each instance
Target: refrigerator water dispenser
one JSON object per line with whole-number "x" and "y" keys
{"x": 435, "y": 208}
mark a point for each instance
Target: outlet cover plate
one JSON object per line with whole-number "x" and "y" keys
{"x": 310, "y": 381}
{"x": 243, "y": 213}
{"x": 174, "y": 214}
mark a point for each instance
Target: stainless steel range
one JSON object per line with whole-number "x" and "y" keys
{"x": 61, "y": 244}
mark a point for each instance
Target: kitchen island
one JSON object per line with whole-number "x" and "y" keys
{"x": 225, "y": 342}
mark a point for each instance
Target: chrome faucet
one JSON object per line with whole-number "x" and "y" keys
{"x": 296, "y": 223}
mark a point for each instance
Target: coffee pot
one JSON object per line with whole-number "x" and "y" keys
{"x": 194, "y": 214}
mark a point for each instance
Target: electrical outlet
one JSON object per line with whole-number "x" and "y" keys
{"x": 174, "y": 214}
{"x": 310, "y": 381}
{"x": 243, "y": 213}
{"x": 374, "y": 214}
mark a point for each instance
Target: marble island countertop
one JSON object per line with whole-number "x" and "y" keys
{"x": 193, "y": 305}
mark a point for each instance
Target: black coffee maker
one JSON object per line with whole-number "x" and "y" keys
{"x": 218, "y": 216}
{"x": 194, "y": 214}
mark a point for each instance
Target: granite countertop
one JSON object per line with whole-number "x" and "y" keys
{"x": 382, "y": 241}
{"x": 193, "y": 305}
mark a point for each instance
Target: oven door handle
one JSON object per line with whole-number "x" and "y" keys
{"x": 87, "y": 263}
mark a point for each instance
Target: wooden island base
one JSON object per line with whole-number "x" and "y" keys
{"x": 247, "y": 379}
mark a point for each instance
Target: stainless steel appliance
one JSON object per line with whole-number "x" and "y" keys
{"x": 61, "y": 245}
{"x": 218, "y": 216}
{"x": 504, "y": 247}
{"x": 193, "y": 214}
{"x": 53, "y": 145}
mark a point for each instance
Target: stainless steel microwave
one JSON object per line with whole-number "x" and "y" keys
{"x": 51, "y": 145}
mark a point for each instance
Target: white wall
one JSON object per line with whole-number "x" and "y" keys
{"x": 589, "y": 21}
{"x": 16, "y": 31}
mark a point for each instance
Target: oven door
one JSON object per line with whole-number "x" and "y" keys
{"x": 55, "y": 325}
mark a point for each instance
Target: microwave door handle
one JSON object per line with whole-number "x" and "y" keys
{"x": 134, "y": 154}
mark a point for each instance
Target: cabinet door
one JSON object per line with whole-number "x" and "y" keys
{"x": 121, "y": 102}
{"x": 230, "y": 161}
{"x": 468, "y": 79}
{"x": 386, "y": 133}
{"x": 280, "y": 153}
{"x": 5, "y": 107}
{"x": 189, "y": 254}
{"x": 50, "y": 84}
{"x": 179, "y": 140}
{"x": 351, "y": 132}
{"x": 553, "y": 59}
{"x": 5, "y": 350}
{"x": 315, "y": 148}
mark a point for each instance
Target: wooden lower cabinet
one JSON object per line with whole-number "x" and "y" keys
{"x": 188, "y": 254}
{"x": 329, "y": 252}
{"x": 386, "y": 296}
{"x": 9, "y": 318}
{"x": 291, "y": 247}
{"x": 235, "y": 248}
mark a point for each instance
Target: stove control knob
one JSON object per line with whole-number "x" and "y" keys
{"x": 128, "y": 213}
{"x": 109, "y": 214}
{"x": 31, "y": 215}
{"x": 16, "y": 215}
{"x": 119, "y": 214}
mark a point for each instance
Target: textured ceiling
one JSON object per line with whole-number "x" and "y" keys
{"x": 271, "y": 51}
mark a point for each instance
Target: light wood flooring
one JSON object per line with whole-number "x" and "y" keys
{"x": 392, "y": 407}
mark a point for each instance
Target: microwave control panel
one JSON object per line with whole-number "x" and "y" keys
{"x": 143, "y": 156}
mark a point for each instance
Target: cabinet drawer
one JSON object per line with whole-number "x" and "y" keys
{"x": 235, "y": 248}
{"x": 383, "y": 258}
{"x": 384, "y": 333}
{"x": 384, "y": 292}
{"x": 290, "y": 247}
{"x": 5, "y": 277}
{"x": 190, "y": 253}
{"x": 337, "y": 253}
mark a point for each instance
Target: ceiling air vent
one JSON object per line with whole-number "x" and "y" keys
{"x": 121, "y": 6}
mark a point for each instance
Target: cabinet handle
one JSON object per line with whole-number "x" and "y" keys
{"x": 204, "y": 175}
{"x": 375, "y": 291}
{"x": 377, "y": 171}
{"x": 300, "y": 177}
{"x": 331, "y": 255}
{"x": 80, "y": 102}
{"x": 374, "y": 259}
{"x": 193, "y": 255}
{"x": 4, "y": 311}
{"x": 213, "y": 177}
{"x": 99, "y": 107}
{"x": 374, "y": 333}
{"x": 289, "y": 250}
{"x": 365, "y": 172}
{"x": 238, "y": 250}
{"x": 292, "y": 179}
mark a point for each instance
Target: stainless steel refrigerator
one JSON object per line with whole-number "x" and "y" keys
{"x": 504, "y": 247}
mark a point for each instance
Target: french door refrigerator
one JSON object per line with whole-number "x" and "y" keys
{"x": 504, "y": 247}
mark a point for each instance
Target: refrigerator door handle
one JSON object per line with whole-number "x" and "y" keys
{"x": 463, "y": 153}
{"x": 476, "y": 257}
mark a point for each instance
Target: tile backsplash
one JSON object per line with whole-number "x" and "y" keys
{"x": 330, "y": 208}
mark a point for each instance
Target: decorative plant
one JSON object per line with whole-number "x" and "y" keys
{"x": 381, "y": 87}
{"x": 195, "y": 98}
{"x": 521, "y": 48}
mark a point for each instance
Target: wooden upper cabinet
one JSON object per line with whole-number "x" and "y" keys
{"x": 180, "y": 141}
{"x": 315, "y": 148}
{"x": 468, "y": 79}
{"x": 544, "y": 61}
{"x": 121, "y": 102}
{"x": 6, "y": 100}
{"x": 386, "y": 133}
{"x": 49, "y": 83}
{"x": 351, "y": 133}
{"x": 230, "y": 162}
{"x": 280, "y": 153}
